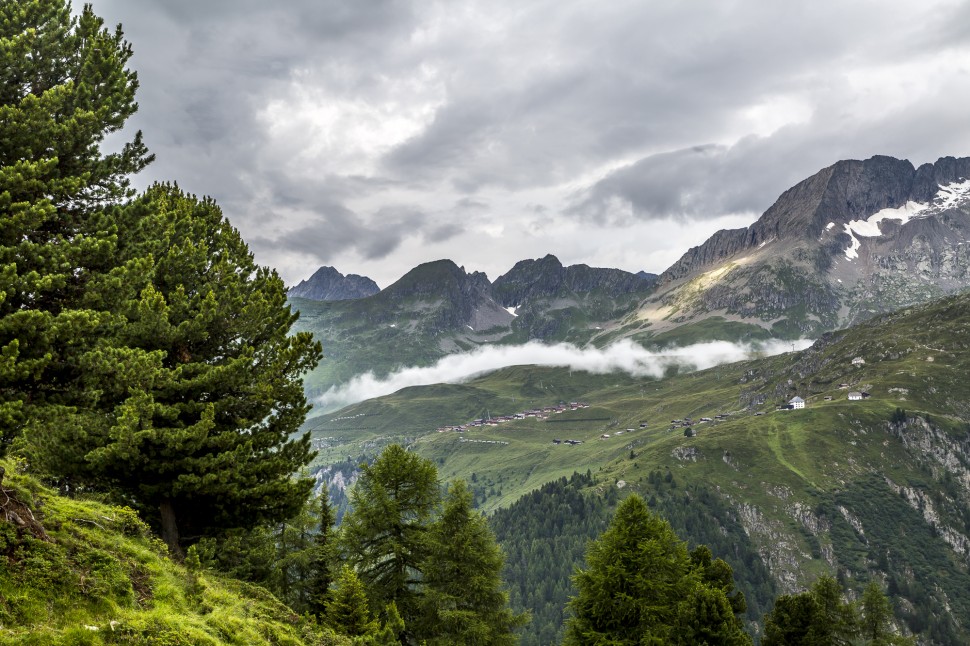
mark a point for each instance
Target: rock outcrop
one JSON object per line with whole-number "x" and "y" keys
{"x": 854, "y": 240}
{"x": 548, "y": 278}
{"x": 328, "y": 284}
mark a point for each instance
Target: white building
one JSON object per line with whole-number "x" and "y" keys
{"x": 855, "y": 396}
{"x": 796, "y": 402}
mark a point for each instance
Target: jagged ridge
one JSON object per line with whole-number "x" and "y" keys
{"x": 328, "y": 284}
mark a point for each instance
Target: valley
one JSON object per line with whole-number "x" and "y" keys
{"x": 828, "y": 488}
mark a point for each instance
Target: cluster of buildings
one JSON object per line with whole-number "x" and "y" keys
{"x": 688, "y": 422}
{"x": 536, "y": 413}
{"x": 796, "y": 403}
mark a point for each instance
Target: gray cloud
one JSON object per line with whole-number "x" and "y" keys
{"x": 623, "y": 356}
{"x": 383, "y": 133}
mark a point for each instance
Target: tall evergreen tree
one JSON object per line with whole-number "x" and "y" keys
{"x": 820, "y": 617}
{"x": 791, "y": 622}
{"x": 323, "y": 557}
{"x": 464, "y": 601}
{"x": 385, "y": 535}
{"x": 204, "y": 443}
{"x": 640, "y": 587}
{"x": 635, "y": 572}
{"x": 348, "y": 611}
{"x": 875, "y": 624}
{"x": 64, "y": 86}
{"x": 297, "y": 560}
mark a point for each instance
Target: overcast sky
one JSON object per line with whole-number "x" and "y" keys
{"x": 373, "y": 135}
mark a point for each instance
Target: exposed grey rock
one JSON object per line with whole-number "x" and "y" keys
{"x": 328, "y": 284}
{"x": 815, "y": 261}
{"x": 547, "y": 278}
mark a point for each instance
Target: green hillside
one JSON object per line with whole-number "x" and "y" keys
{"x": 877, "y": 488}
{"x": 81, "y": 572}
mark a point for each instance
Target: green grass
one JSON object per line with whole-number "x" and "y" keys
{"x": 95, "y": 575}
{"x": 791, "y": 468}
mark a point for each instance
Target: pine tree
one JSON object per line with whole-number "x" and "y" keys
{"x": 64, "y": 87}
{"x": 297, "y": 557}
{"x": 836, "y": 621}
{"x": 323, "y": 557}
{"x": 385, "y": 534}
{"x": 348, "y": 611}
{"x": 820, "y": 617}
{"x": 464, "y": 601}
{"x": 200, "y": 442}
{"x": 791, "y": 622}
{"x": 706, "y": 616}
{"x": 392, "y": 628}
{"x": 636, "y": 572}
{"x": 875, "y": 624}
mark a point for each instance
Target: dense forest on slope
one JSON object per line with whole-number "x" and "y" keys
{"x": 863, "y": 489}
{"x": 545, "y": 534}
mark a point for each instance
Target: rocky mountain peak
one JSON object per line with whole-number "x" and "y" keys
{"x": 849, "y": 190}
{"x": 328, "y": 284}
{"x": 439, "y": 278}
{"x": 547, "y": 277}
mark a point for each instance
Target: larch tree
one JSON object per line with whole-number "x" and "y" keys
{"x": 324, "y": 556}
{"x": 464, "y": 599}
{"x": 385, "y": 535}
{"x": 64, "y": 86}
{"x": 348, "y": 611}
{"x": 640, "y": 586}
{"x": 202, "y": 441}
{"x": 875, "y": 623}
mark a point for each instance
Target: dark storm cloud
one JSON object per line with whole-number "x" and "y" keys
{"x": 601, "y": 82}
{"x": 325, "y": 236}
{"x": 336, "y": 130}
{"x": 705, "y": 182}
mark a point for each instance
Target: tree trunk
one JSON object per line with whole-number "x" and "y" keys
{"x": 170, "y": 530}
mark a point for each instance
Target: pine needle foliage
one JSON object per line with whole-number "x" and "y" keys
{"x": 64, "y": 86}
{"x": 464, "y": 599}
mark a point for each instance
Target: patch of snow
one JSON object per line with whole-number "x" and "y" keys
{"x": 511, "y": 310}
{"x": 470, "y": 328}
{"x": 839, "y": 279}
{"x": 853, "y": 251}
{"x": 393, "y": 324}
{"x": 948, "y": 196}
{"x": 829, "y": 225}
{"x": 869, "y": 228}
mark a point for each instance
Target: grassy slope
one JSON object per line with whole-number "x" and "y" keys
{"x": 833, "y": 488}
{"x": 102, "y": 579}
{"x": 357, "y": 335}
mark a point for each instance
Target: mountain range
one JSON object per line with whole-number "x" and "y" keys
{"x": 869, "y": 482}
{"x": 438, "y": 308}
{"x": 856, "y": 239}
{"x": 328, "y": 284}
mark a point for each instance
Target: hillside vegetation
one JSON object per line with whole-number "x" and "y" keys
{"x": 876, "y": 488}
{"x": 79, "y": 571}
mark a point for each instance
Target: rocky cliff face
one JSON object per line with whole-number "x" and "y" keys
{"x": 855, "y": 239}
{"x": 844, "y": 192}
{"x": 547, "y": 278}
{"x": 328, "y": 284}
{"x": 453, "y": 298}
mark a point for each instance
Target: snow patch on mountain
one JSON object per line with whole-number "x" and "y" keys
{"x": 947, "y": 197}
